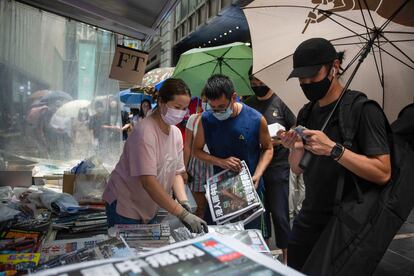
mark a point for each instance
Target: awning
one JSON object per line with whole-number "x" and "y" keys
{"x": 137, "y": 19}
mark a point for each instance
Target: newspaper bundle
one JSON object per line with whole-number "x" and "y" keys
{"x": 206, "y": 255}
{"x": 251, "y": 237}
{"x": 232, "y": 197}
{"x": 111, "y": 248}
{"x": 143, "y": 237}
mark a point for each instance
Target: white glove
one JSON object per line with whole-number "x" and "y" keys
{"x": 192, "y": 222}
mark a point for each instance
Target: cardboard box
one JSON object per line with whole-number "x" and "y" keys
{"x": 96, "y": 183}
{"x": 68, "y": 183}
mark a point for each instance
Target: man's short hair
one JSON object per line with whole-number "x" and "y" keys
{"x": 218, "y": 85}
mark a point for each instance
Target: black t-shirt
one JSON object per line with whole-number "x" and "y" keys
{"x": 275, "y": 111}
{"x": 323, "y": 172}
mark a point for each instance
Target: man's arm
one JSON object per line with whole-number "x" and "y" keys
{"x": 376, "y": 169}
{"x": 231, "y": 163}
{"x": 290, "y": 140}
{"x": 266, "y": 154}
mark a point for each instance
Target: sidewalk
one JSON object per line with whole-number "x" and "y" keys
{"x": 399, "y": 258}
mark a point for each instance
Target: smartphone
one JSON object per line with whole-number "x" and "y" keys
{"x": 299, "y": 131}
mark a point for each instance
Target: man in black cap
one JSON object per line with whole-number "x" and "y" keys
{"x": 316, "y": 63}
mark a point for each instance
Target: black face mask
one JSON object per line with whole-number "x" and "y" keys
{"x": 260, "y": 91}
{"x": 316, "y": 90}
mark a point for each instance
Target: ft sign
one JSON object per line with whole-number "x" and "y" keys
{"x": 128, "y": 65}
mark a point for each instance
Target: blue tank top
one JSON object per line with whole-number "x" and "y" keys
{"x": 237, "y": 137}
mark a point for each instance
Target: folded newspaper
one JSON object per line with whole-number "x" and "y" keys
{"x": 143, "y": 237}
{"x": 251, "y": 237}
{"x": 232, "y": 197}
{"x": 206, "y": 255}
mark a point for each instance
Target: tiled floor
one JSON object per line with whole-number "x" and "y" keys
{"x": 399, "y": 258}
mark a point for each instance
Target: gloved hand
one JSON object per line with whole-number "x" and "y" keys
{"x": 192, "y": 222}
{"x": 186, "y": 205}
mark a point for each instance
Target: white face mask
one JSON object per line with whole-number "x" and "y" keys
{"x": 173, "y": 116}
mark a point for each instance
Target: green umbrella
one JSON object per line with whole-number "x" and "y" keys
{"x": 233, "y": 60}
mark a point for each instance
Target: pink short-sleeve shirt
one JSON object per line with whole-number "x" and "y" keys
{"x": 147, "y": 151}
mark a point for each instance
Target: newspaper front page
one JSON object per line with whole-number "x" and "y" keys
{"x": 230, "y": 195}
{"x": 208, "y": 255}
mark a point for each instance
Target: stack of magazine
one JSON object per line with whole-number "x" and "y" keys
{"x": 232, "y": 197}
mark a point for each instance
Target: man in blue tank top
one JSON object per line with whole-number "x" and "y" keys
{"x": 233, "y": 132}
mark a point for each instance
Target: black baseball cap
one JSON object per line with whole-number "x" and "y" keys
{"x": 310, "y": 56}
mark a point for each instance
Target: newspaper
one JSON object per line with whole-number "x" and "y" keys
{"x": 274, "y": 128}
{"x": 112, "y": 248}
{"x": 251, "y": 237}
{"x": 245, "y": 217}
{"x": 59, "y": 247}
{"x": 141, "y": 231}
{"x": 207, "y": 255}
{"x": 231, "y": 194}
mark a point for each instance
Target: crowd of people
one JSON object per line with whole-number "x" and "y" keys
{"x": 156, "y": 164}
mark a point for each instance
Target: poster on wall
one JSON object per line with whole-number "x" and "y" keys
{"x": 128, "y": 65}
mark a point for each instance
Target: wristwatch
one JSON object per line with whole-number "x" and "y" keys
{"x": 337, "y": 151}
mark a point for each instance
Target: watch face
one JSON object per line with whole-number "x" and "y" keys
{"x": 336, "y": 151}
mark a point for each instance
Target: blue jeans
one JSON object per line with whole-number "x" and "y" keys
{"x": 114, "y": 218}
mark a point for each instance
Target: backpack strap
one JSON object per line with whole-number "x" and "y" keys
{"x": 350, "y": 110}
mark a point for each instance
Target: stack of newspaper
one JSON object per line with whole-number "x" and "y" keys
{"x": 143, "y": 237}
{"x": 207, "y": 255}
{"x": 232, "y": 197}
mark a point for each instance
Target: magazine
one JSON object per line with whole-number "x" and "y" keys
{"x": 10, "y": 263}
{"x": 230, "y": 194}
{"x": 207, "y": 255}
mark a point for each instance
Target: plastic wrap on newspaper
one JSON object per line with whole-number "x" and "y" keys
{"x": 141, "y": 231}
{"x": 111, "y": 248}
{"x": 209, "y": 254}
{"x": 231, "y": 195}
{"x": 251, "y": 237}
{"x": 57, "y": 248}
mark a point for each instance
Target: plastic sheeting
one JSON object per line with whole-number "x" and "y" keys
{"x": 46, "y": 62}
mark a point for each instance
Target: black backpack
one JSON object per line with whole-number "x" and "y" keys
{"x": 366, "y": 220}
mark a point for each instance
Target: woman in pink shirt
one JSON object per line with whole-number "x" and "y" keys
{"x": 151, "y": 164}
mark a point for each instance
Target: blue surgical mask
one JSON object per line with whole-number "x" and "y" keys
{"x": 223, "y": 115}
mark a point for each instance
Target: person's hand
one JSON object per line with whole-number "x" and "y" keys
{"x": 186, "y": 205}
{"x": 256, "y": 180}
{"x": 290, "y": 139}
{"x": 231, "y": 163}
{"x": 318, "y": 143}
{"x": 192, "y": 222}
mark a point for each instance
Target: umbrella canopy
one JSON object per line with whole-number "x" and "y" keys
{"x": 386, "y": 75}
{"x": 39, "y": 94}
{"x": 54, "y": 95}
{"x": 133, "y": 98}
{"x": 233, "y": 60}
{"x": 157, "y": 75}
{"x": 63, "y": 116}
